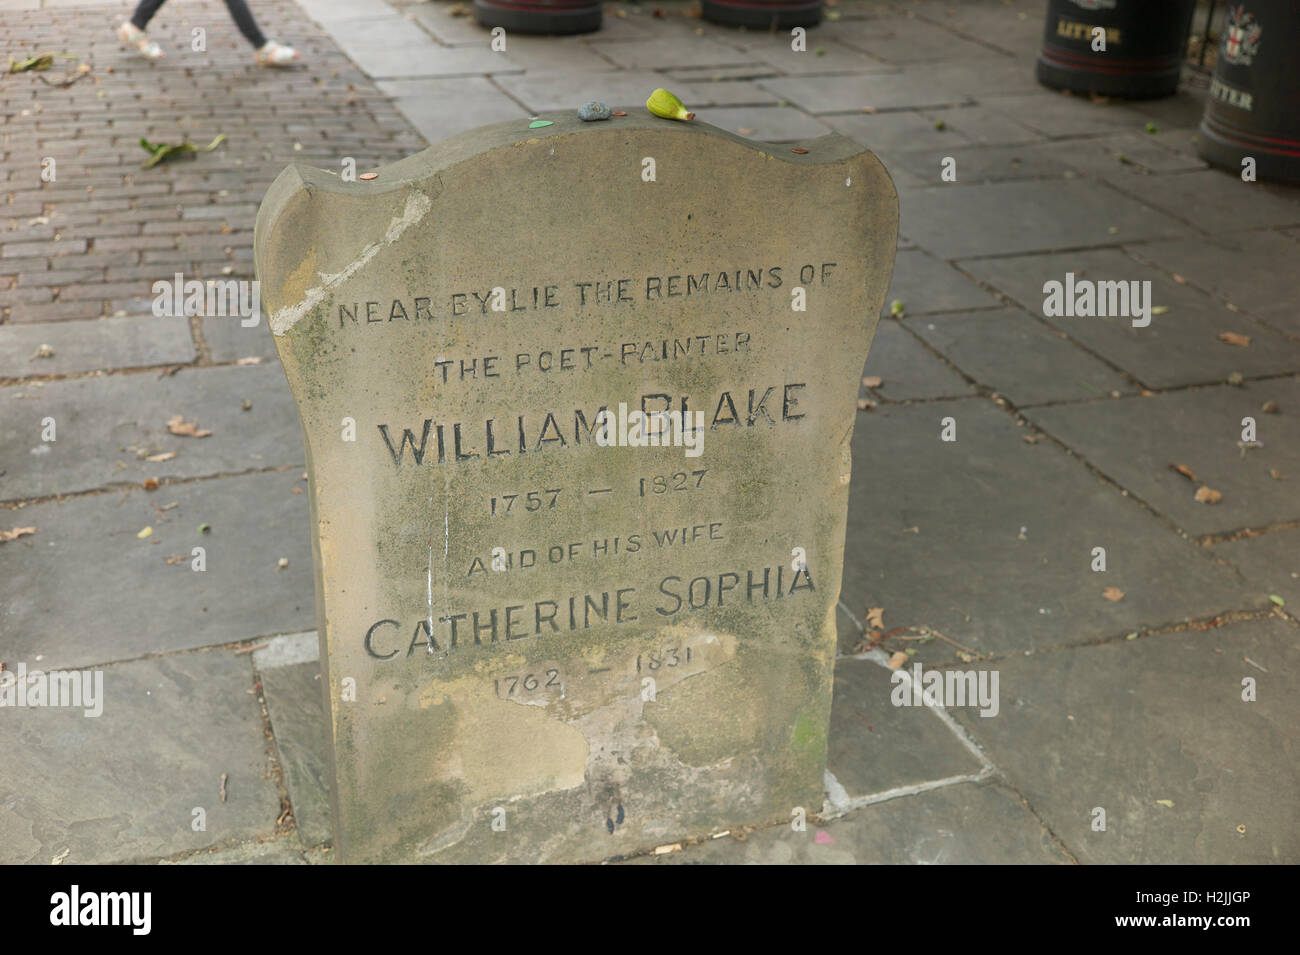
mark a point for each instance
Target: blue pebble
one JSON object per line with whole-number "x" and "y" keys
{"x": 593, "y": 111}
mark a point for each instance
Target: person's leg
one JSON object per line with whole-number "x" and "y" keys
{"x": 144, "y": 13}
{"x": 132, "y": 32}
{"x": 243, "y": 19}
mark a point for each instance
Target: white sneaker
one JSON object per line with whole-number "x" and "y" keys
{"x": 276, "y": 54}
{"x": 132, "y": 35}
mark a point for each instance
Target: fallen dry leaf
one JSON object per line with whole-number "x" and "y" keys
{"x": 148, "y": 531}
{"x": 1167, "y": 803}
{"x": 176, "y": 424}
{"x": 1030, "y": 438}
{"x": 1179, "y": 279}
{"x": 873, "y": 381}
{"x": 897, "y": 659}
{"x": 866, "y": 404}
{"x": 1232, "y": 338}
{"x": 876, "y": 618}
{"x": 1207, "y": 495}
{"x": 1113, "y": 593}
{"x": 151, "y": 484}
{"x": 746, "y": 131}
{"x": 15, "y": 533}
{"x": 1269, "y": 407}
{"x": 251, "y": 360}
{"x": 159, "y": 458}
{"x": 1184, "y": 470}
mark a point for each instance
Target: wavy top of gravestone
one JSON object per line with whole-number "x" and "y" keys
{"x": 378, "y": 211}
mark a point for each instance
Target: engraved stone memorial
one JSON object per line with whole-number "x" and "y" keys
{"x": 577, "y": 402}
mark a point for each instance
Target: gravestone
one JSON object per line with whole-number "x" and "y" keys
{"x": 544, "y": 638}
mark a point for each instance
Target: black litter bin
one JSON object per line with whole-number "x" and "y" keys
{"x": 1146, "y": 41}
{"x": 763, "y": 14}
{"x": 540, "y": 16}
{"x": 1253, "y": 109}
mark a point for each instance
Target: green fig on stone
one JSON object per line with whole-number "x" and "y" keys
{"x": 665, "y": 104}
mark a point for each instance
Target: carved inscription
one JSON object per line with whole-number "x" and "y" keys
{"x": 734, "y": 408}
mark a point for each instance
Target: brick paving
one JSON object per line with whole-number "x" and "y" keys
{"x": 981, "y": 548}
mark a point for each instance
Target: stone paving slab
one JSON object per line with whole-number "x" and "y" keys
{"x": 876, "y": 746}
{"x": 229, "y": 340}
{"x": 1133, "y": 441}
{"x": 1133, "y": 153}
{"x": 278, "y": 852}
{"x": 546, "y": 52}
{"x": 1054, "y": 113}
{"x": 556, "y": 90}
{"x": 1179, "y": 347}
{"x": 1123, "y": 725}
{"x": 826, "y": 52}
{"x": 983, "y": 126}
{"x": 966, "y": 824}
{"x": 897, "y": 132}
{"x": 326, "y": 11}
{"x": 973, "y": 165}
{"x": 1013, "y": 217}
{"x": 1216, "y": 201}
{"x": 737, "y": 92}
{"x": 1015, "y": 26}
{"x": 925, "y": 285}
{"x": 987, "y": 79}
{"x": 1269, "y": 562}
{"x": 903, "y": 41}
{"x": 449, "y": 30}
{"x": 767, "y": 123}
{"x": 1261, "y": 278}
{"x": 389, "y": 46}
{"x": 966, "y": 542}
{"x": 907, "y": 369}
{"x": 843, "y": 94}
{"x": 666, "y": 52}
{"x": 123, "y": 786}
{"x": 301, "y": 726}
{"x": 89, "y": 345}
{"x": 103, "y": 424}
{"x": 1183, "y": 110}
{"x": 85, "y": 589}
{"x": 1020, "y": 357}
{"x": 442, "y": 108}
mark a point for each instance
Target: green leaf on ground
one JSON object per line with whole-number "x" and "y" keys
{"x": 165, "y": 151}
{"x": 42, "y": 61}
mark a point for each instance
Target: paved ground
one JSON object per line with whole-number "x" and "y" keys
{"x": 980, "y": 551}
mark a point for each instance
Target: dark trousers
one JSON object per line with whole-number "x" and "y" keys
{"x": 238, "y": 9}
